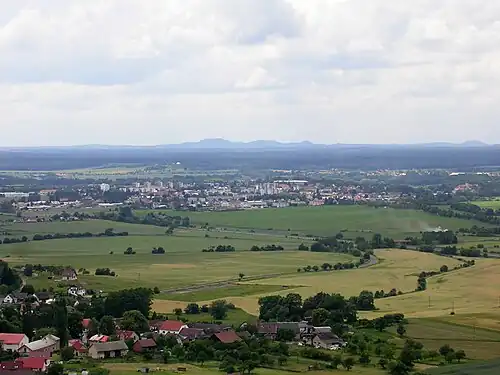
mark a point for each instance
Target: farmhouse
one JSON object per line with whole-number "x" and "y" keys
{"x": 13, "y": 341}
{"x": 111, "y": 349}
{"x": 99, "y": 338}
{"x": 326, "y": 341}
{"x": 144, "y": 345}
{"x": 190, "y": 334}
{"x": 226, "y": 337}
{"x": 127, "y": 335}
{"x": 38, "y": 364}
{"x": 69, "y": 274}
{"x": 43, "y": 347}
{"x": 171, "y": 327}
{"x": 79, "y": 348}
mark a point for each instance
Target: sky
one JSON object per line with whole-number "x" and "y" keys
{"x": 148, "y": 72}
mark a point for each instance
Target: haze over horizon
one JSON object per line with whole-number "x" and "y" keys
{"x": 327, "y": 71}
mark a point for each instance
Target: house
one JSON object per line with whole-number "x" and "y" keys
{"x": 171, "y": 326}
{"x": 270, "y": 330}
{"x": 43, "y": 297}
{"x": 226, "y": 337}
{"x": 144, "y": 345}
{"x": 99, "y": 338}
{"x": 113, "y": 349}
{"x": 210, "y": 328}
{"x": 69, "y": 274}
{"x": 154, "y": 325}
{"x": 127, "y": 335}
{"x": 13, "y": 341}
{"x": 327, "y": 341}
{"x": 80, "y": 350}
{"x": 76, "y": 291}
{"x": 190, "y": 334}
{"x": 46, "y": 345}
{"x": 38, "y": 364}
{"x": 15, "y": 297}
{"x": 14, "y": 368}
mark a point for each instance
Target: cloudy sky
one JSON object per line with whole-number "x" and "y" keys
{"x": 156, "y": 72}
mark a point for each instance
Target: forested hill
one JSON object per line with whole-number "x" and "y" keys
{"x": 312, "y": 157}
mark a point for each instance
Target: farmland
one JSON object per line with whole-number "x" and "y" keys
{"x": 328, "y": 220}
{"x": 183, "y": 264}
{"x": 494, "y": 204}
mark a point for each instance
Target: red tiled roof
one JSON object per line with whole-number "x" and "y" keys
{"x": 146, "y": 343}
{"x": 171, "y": 325}
{"x": 227, "y": 337}
{"x": 77, "y": 345}
{"x": 31, "y": 363}
{"x": 125, "y": 335}
{"x": 11, "y": 338}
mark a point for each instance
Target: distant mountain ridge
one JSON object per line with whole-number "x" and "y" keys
{"x": 224, "y": 144}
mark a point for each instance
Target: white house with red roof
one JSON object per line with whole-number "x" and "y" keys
{"x": 80, "y": 349}
{"x": 13, "y": 341}
{"x": 172, "y": 327}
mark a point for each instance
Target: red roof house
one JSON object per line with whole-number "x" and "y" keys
{"x": 33, "y": 363}
{"x": 144, "y": 345}
{"x": 79, "y": 347}
{"x": 13, "y": 341}
{"x": 127, "y": 335}
{"x": 172, "y": 326}
{"x": 226, "y": 337}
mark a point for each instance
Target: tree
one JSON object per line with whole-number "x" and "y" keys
{"x": 179, "y": 352}
{"x": 61, "y": 321}
{"x": 201, "y": 357}
{"x": 135, "y": 321}
{"x": 398, "y": 368}
{"x": 28, "y": 270}
{"x": 450, "y": 357}
{"x": 178, "y": 312}
{"x": 166, "y": 356}
{"x": 445, "y": 349}
{"x": 285, "y": 335}
{"x": 116, "y": 303}
{"x": 241, "y": 276}
{"x": 282, "y": 360}
{"x": 336, "y": 361}
{"x": 107, "y": 326}
{"x": 218, "y": 309}
{"x": 75, "y": 325}
{"x": 382, "y": 362}
{"x": 376, "y": 242}
{"x": 348, "y": 363}
{"x": 192, "y": 308}
{"x": 320, "y": 317}
{"x": 67, "y": 353}
{"x": 444, "y": 268}
{"x": 401, "y": 330}
{"x": 380, "y": 324}
{"x": 459, "y": 355}
{"x": 364, "y": 358}
{"x": 55, "y": 369}
{"x": 365, "y": 301}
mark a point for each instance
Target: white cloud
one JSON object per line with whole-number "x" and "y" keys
{"x": 128, "y": 71}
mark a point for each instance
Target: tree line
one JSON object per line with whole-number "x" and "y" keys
{"x": 43, "y": 237}
{"x": 267, "y": 248}
{"x": 219, "y": 249}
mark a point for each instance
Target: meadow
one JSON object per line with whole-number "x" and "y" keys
{"x": 184, "y": 263}
{"x": 327, "y": 220}
{"x": 493, "y": 203}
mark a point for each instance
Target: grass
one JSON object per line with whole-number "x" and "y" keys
{"x": 328, "y": 220}
{"x": 93, "y": 226}
{"x": 232, "y": 290}
{"x": 478, "y": 343}
{"x": 470, "y": 290}
{"x": 211, "y": 368}
{"x": 494, "y": 203}
{"x": 184, "y": 263}
{"x": 482, "y": 368}
{"x": 234, "y": 317}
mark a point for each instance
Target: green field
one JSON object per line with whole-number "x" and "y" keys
{"x": 478, "y": 343}
{"x": 482, "y": 368}
{"x": 328, "y": 220}
{"x": 183, "y": 264}
{"x": 494, "y": 203}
